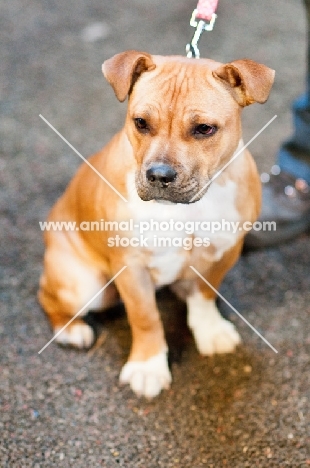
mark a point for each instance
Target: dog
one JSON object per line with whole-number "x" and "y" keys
{"x": 173, "y": 160}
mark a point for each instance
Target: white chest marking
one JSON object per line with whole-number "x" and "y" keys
{"x": 167, "y": 258}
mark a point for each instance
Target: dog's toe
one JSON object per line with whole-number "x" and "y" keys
{"x": 219, "y": 339}
{"x": 78, "y": 334}
{"x": 213, "y": 334}
{"x": 147, "y": 378}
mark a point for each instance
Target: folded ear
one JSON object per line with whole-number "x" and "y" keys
{"x": 123, "y": 70}
{"x": 248, "y": 81}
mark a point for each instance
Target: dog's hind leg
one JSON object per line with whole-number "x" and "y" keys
{"x": 67, "y": 284}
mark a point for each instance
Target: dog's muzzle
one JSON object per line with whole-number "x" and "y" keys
{"x": 160, "y": 183}
{"x": 163, "y": 183}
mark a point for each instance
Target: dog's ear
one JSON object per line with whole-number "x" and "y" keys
{"x": 248, "y": 81}
{"x": 123, "y": 70}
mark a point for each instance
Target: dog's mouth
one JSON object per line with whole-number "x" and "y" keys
{"x": 172, "y": 194}
{"x": 164, "y": 202}
{"x": 164, "y": 184}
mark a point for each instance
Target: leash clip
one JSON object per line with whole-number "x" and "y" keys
{"x": 201, "y": 26}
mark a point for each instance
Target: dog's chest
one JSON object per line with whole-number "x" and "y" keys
{"x": 173, "y": 233}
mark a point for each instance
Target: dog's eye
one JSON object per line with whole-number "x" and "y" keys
{"x": 141, "y": 124}
{"x": 205, "y": 130}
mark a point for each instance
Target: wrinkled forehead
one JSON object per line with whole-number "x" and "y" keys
{"x": 179, "y": 84}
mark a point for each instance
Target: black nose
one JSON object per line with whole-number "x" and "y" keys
{"x": 161, "y": 174}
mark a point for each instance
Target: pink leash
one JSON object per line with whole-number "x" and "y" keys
{"x": 206, "y": 9}
{"x": 203, "y": 19}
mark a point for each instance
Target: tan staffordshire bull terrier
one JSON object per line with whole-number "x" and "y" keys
{"x": 182, "y": 126}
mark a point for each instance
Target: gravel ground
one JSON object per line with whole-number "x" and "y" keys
{"x": 65, "y": 408}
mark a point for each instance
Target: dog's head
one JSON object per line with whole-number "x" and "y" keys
{"x": 183, "y": 118}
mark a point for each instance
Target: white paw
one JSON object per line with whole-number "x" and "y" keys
{"x": 79, "y": 335}
{"x": 212, "y": 333}
{"x": 218, "y": 338}
{"x": 147, "y": 378}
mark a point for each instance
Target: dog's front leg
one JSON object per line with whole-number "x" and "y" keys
{"x": 213, "y": 334}
{"x": 147, "y": 369}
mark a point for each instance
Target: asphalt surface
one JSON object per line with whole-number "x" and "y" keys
{"x": 65, "y": 408}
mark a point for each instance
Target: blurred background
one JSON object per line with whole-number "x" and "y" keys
{"x": 64, "y": 407}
